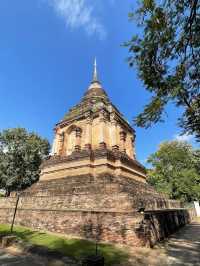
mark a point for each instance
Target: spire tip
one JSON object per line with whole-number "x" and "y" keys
{"x": 95, "y": 76}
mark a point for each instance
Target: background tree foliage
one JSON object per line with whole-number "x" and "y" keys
{"x": 167, "y": 56}
{"x": 21, "y": 154}
{"x": 176, "y": 170}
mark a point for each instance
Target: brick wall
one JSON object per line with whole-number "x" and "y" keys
{"x": 157, "y": 225}
{"x": 87, "y": 207}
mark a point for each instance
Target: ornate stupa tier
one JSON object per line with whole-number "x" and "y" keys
{"x": 92, "y": 126}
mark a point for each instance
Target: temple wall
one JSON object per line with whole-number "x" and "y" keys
{"x": 129, "y": 228}
{"x": 159, "y": 225}
{"x": 84, "y": 206}
{"x": 112, "y": 227}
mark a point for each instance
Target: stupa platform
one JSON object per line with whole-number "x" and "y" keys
{"x": 89, "y": 162}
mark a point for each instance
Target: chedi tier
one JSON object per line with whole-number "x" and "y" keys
{"x": 94, "y": 139}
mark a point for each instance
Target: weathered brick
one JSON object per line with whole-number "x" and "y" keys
{"x": 103, "y": 208}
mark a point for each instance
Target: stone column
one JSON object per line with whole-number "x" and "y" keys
{"x": 113, "y": 132}
{"x": 123, "y": 141}
{"x": 102, "y": 125}
{"x": 78, "y": 139}
{"x": 88, "y": 133}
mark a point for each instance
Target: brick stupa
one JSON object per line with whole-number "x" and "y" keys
{"x": 92, "y": 186}
{"x": 93, "y": 139}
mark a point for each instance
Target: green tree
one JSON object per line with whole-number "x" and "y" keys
{"x": 166, "y": 54}
{"x": 175, "y": 171}
{"x": 21, "y": 154}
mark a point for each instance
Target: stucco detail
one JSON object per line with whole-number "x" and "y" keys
{"x": 96, "y": 126}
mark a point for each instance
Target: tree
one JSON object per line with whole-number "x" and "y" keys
{"x": 21, "y": 154}
{"x": 175, "y": 171}
{"x": 166, "y": 54}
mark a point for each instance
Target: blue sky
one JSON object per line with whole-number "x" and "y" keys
{"x": 47, "y": 50}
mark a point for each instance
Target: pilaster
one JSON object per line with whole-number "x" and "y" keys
{"x": 102, "y": 128}
{"x": 78, "y": 139}
{"x": 88, "y": 134}
{"x": 113, "y": 132}
{"x": 60, "y": 137}
{"x": 123, "y": 141}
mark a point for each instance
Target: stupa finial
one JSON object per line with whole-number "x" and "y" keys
{"x": 95, "y": 76}
{"x": 95, "y": 83}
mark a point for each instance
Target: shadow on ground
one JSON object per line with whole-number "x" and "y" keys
{"x": 8, "y": 259}
{"x": 184, "y": 247}
{"x": 50, "y": 245}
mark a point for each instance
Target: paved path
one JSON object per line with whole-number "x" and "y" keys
{"x": 183, "y": 248}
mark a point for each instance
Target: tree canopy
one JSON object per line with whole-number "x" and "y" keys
{"x": 175, "y": 170}
{"x": 21, "y": 154}
{"x": 166, "y": 54}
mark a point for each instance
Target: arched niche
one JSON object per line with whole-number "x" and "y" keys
{"x": 73, "y": 138}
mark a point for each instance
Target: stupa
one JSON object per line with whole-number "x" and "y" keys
{"x": 92, "y": 185}
{"x": 93, "y": 139}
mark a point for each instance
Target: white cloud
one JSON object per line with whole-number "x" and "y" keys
{"x": 184, "y": 137}
{"x": 79, "y": 14}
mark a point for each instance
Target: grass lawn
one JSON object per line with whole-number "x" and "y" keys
{"x": 75, "y": 248}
